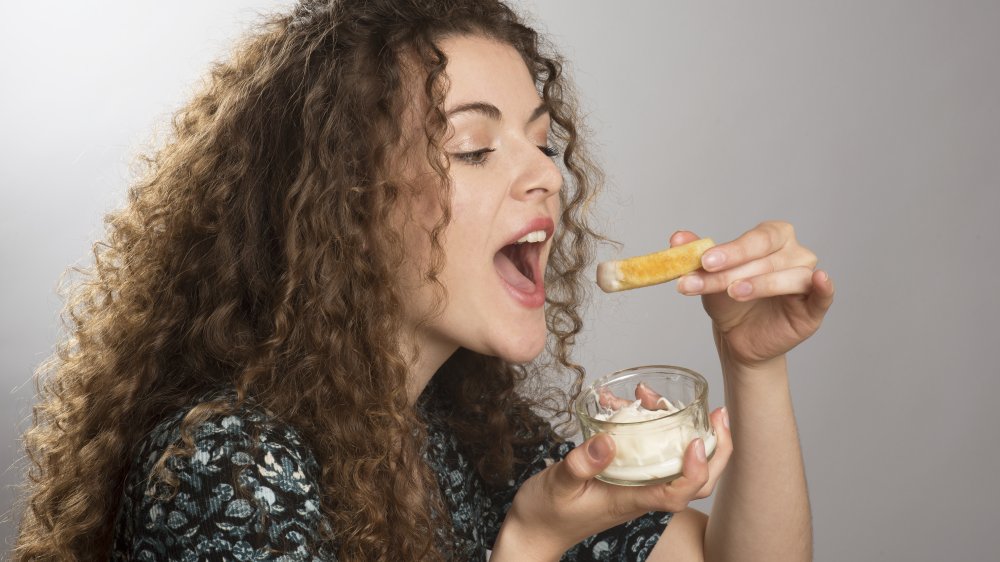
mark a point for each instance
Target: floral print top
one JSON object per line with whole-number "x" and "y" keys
{"x": 250, "y": 492}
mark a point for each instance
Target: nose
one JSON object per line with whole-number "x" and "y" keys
{"x": 538, "y": 175}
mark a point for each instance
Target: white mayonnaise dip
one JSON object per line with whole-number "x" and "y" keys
{"x": 651, "y": 450}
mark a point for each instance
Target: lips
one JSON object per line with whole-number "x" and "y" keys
{"x": 519, "y": 264}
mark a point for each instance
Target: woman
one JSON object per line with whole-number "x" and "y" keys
{"x": 312, "y": 334}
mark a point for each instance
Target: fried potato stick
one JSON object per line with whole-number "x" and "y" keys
{"x": 651, "y": 269}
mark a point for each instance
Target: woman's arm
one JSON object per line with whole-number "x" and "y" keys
{"x": 761, "y": 509}
{"x": 683, "y": 539}
{"x": 764, "y": 296}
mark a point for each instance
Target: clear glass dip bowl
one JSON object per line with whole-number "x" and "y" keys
{"x": 650, "y": 451}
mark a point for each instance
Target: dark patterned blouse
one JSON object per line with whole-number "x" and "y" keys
{"x": 276, "y": 515}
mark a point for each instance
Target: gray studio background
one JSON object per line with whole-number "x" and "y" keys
{"x": 873, "y": 126}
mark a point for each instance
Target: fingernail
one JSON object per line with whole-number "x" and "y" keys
{"x": 824, "y": 276}
{"x": 691, "y": 284}
{"x": 725, "y": 417}
{"x": 742, "y": 288}
{"x": 712, "y": 260}
{"x": 598, "y": 449}
{"x": 699, "y": 449}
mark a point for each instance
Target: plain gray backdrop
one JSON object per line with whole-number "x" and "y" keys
{"x": 872, "y": 126}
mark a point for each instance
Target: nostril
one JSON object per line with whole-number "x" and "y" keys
{"x": 540, "y": 175}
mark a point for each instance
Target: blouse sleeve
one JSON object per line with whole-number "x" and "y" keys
{"x": 631, "y": 541}
{"x": 249, "y": 492}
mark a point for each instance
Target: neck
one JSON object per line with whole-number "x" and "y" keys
{"x": 424, "y": 356}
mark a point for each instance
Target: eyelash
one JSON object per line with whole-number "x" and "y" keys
{"x": 478, "y": 157}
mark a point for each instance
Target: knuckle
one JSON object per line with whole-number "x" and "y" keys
{"x": 702, "y": 478}
{"x": 778, "y": 231}
{"x": 775, "y": 235}
{"x": 718, "y": 283}
{"x": 572, "y": 466}
{"x": 693, "y": 482}
{"x": 812, "y": 259}
{"x": 773, "y": 263}
{"x": 761, "y": 287}
{"x": 577, "y": 466}
{"x": 724, "y": 281}
{"x": 722, "y": 451}
{"x": 668, "y": 499}
{"x": 723, "y": 455}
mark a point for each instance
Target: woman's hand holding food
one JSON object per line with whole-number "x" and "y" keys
{"x": 764, "y": 297}
{"x": 564, "y": 504}
{"x": 761, "y": 290}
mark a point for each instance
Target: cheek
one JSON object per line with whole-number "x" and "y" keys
{"x": 463, "y": 244}
{"x": 471, "y": 218}
{"x": 461, "y": 197}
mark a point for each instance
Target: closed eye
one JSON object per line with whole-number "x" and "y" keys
{"x": 549, "y": 151}
{"x": 479, "y": 157}
{"x": 474, "y": 158}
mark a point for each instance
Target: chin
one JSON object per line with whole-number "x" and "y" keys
{"x": 522, "y": 350}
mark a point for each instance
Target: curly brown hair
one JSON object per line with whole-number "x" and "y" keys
{"x": 257, "y": 251}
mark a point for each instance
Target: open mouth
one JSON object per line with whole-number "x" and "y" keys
{"x": 518, "y": 265}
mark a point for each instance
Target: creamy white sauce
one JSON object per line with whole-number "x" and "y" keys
{"x": 654, "y": 449}
{"x": 634, "y": 412}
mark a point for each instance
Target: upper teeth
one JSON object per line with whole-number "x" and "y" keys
{"x": 536, "y": 236}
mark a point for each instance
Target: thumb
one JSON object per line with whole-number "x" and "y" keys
{"x": 582, "y": 464}
{"x": 682, "y": 237}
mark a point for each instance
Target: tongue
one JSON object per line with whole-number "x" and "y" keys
{"x": 509, "y": 272}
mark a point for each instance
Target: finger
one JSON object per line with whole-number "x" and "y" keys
{"x": 705, "y": 283}
{"x": 702, "y": 283}
{"x": 766, "y": 238}
{"x": 649, "y": 398}
{"x": 794, "y": 281}
{"x": 821, "y": 298}
{"x": 607, "y": 399}
{"x": 652, "y": 400}
{"x": 723, "y": 450}
{"x": 676, "y": 495}
{"x": 682, "y": 237}
{"x": 568, "y": 476}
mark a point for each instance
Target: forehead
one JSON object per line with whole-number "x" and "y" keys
{"x": 482, "y": 69}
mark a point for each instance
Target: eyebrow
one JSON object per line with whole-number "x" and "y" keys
{"x": 492, "y": 111}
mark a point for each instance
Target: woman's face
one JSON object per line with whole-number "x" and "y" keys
{"x": 505, "y": 188}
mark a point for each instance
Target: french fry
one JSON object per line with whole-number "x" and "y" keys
{"x": 651, "y": 269}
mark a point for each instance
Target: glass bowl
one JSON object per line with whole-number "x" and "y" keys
{"x": 649, "y": 443}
